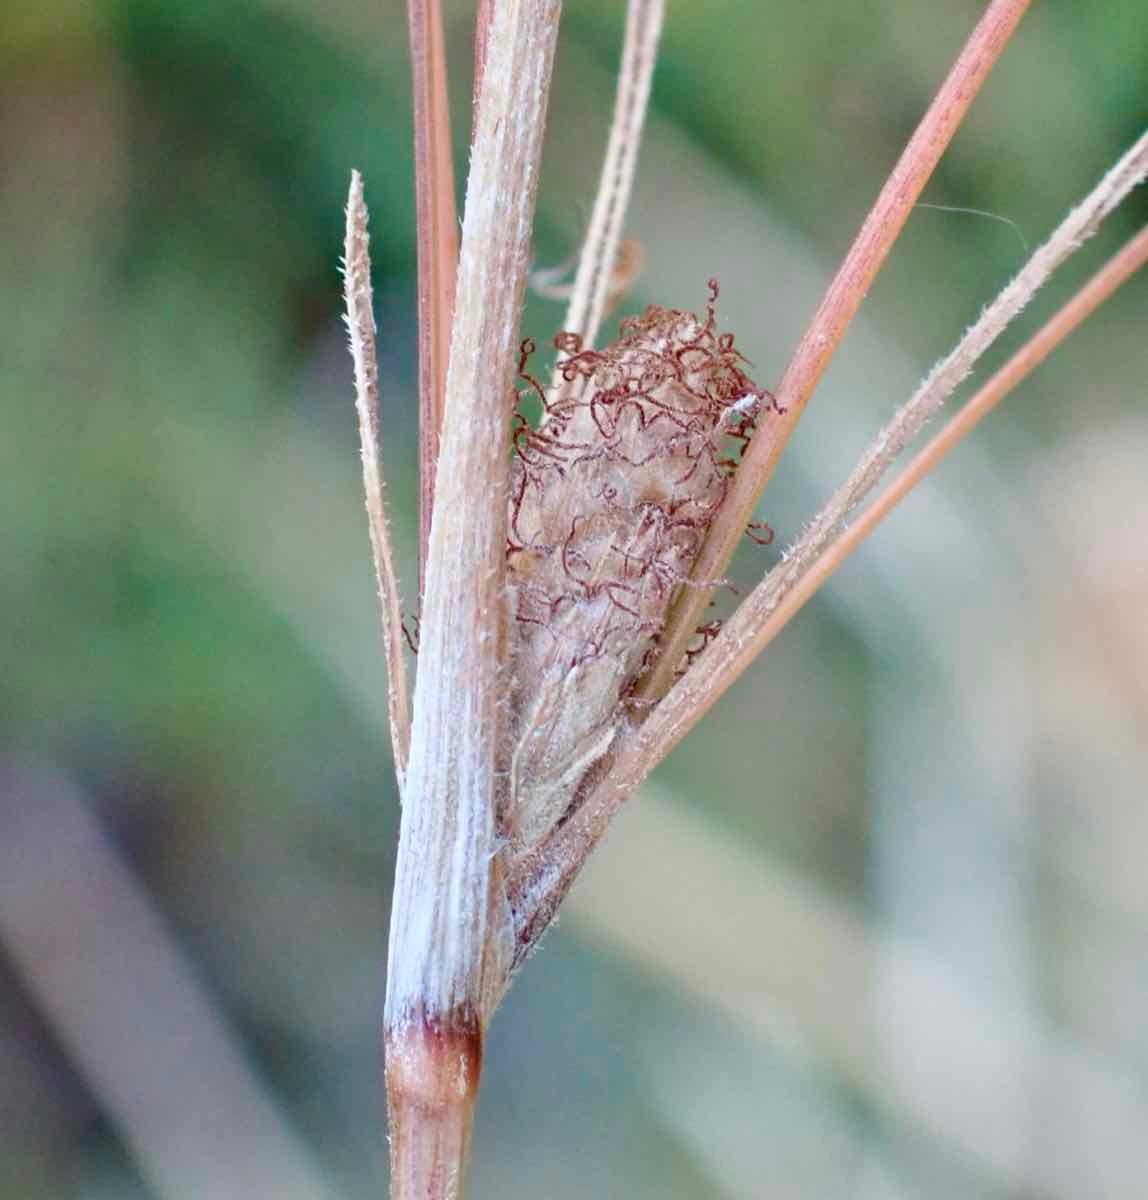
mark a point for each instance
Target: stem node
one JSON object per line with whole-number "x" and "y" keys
{"x": 433, "y": 1069}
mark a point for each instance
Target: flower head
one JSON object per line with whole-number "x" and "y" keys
{"x": 611, "y": 498}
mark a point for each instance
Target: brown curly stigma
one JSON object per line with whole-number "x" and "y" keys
{"x": 612, "y": 494}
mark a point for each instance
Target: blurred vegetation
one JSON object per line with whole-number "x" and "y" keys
{"x": 930, "y": 976}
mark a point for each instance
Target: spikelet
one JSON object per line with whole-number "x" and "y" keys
{"x": 612, "y": 495}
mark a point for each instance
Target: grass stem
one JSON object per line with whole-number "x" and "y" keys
{"x": 437, "y": 237}
{"x": 360, "y": 319}
{"x": 835, "y": 313}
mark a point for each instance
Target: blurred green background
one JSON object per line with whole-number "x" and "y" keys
{"x": 878, "y": 930}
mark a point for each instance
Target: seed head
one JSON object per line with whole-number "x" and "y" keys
{"x": 612, "y": 495}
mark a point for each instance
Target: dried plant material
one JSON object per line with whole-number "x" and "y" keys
{"x": 360, "y": 321}
{"x": 611, "y": 498}
{"x": 598, "y": 266}
{"x": 837, "y": 309}
{"x": 1080, "y": 224}
{"x": 539, "y": 886}
{"x": 437, "y": 230}
{"x": 627, "y": 268}
{"x": 1115, "y": 272}
{"x": 483, "y": 11}
{"x": 451, "y": 939}
{"x": 564, "y": 583}
{"x": 550, "y": 282}
{"x": 440, "y": 929}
